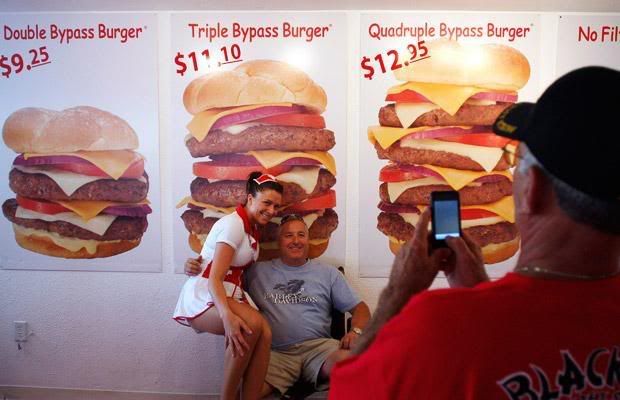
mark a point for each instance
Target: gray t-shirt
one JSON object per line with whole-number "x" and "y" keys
{"x": 297, "y": 301}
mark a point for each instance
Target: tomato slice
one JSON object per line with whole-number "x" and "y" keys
{"x": 478, "y": 139}
{"x": 327, "y": 200}
{"x": 41, "y": 206}
{"x": 305, "y": 120}
{"x": 395, "y": 173}
{"x": 474, "y": 213}
{"x": 135, "y": 170}
{"x": 214, "y": 170}
{"x": 407, "y": 96}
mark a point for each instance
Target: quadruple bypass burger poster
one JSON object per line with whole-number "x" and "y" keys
{"x": 126, "y": 136}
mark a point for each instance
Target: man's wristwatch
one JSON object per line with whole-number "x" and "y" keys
{"x": 356, "y": 330}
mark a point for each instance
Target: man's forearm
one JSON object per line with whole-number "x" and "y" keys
{"x": 360, "y": 314}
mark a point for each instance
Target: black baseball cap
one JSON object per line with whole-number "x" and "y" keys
{"x": 572, "y": 130}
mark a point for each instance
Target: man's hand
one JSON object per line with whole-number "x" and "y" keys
{"x": 464, "y": 267}
{"x": 348, "y": 341}
{"x": 192, "y": 266}
{"x": 415, "y": 266}
{"x": 414, "y": 269}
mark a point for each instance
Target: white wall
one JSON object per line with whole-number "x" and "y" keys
{"x": 113, "y": 330}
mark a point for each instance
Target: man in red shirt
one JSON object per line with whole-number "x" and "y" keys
{"x": 551, "y": 328}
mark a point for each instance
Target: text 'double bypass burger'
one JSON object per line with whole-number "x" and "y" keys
{"x": 80, "y": 186}
{"x": 264, "y": 115}
{"x": 436, "y": 133}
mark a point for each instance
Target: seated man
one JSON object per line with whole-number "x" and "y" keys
{"x": 296, "y": 296}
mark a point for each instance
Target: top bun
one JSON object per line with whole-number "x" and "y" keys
{"x": 491, "y": 66}
{"x": 254, "y": 82}
{"x": 38, "y": 130}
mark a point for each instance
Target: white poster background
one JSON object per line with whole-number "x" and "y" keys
{"x": 374, "y": 253}
{"x": 574, "y": 51}
{"x": 117, "y": 77}
{"x": 324, "y": 59}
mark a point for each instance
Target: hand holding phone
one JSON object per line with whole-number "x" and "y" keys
{"x": 446, "y": 217}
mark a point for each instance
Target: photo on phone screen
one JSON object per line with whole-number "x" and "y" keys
{"x": 446, "y": 219}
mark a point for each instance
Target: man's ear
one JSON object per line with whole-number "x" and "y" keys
{"x": 539, "y": 192}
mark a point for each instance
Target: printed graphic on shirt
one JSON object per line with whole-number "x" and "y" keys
{"x": 291, "y": 292}
{"x": 597, "y": 377}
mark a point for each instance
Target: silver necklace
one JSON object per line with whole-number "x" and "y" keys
{"x": 530, "y": 269}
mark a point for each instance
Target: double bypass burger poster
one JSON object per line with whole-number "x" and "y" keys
{"x": 91, "y": 150}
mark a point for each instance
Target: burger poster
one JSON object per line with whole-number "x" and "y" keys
{"x": 79, "y": 157}
{"x": 587, "y": 40}
{"x": 431, "y": 85}
{"x": 266, "y": 92}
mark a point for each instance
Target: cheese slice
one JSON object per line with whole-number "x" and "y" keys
{"x": 504, "y": 207}
{"x": 112, "y": 162}
{"x": 470, "y": 223}
{"x": 308, "y": 219}
{"x": 68, "y": 181}
{"x": 71, "y": 244}
{"x": 190, "y": 200}
{"x": 407, "y": 113}
{"x": 387, "y": 136}
{"x": 271, "y": 158}
{"x": 89, "y": 209}
{"x": 395, "y": 189}
{"x": 302, "y": 176}
{"x": 459, "y": 178}
{"x": 487, "y": 157}
{"x": 201, "y": 123}
{"x": 98, "y": 224}
{"x": 449, "y": 97}
{"x": 209, "y": 213}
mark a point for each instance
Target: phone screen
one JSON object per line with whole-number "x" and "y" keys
{"x": 446, "y": 219}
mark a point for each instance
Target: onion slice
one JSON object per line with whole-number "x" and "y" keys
{"x": 48, "y": 160}
{"x": 251, "y": 115}
{"x": 449, "y": 131}
{"x": 133, "y": 210}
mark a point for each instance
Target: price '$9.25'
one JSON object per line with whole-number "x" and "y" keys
{"x": 416, "y": 53}
{"x": 16, "y": 63}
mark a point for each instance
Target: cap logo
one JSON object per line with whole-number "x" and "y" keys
{"x": 265, "y": 178}
{"x": 505, "y": 127}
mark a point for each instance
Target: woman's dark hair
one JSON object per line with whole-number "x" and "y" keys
{"x": 252, "y": 187}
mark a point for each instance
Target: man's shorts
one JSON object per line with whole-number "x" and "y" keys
{"x": 300, "y": 361}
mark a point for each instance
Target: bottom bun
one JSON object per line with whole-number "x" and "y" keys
{"x": 314, "y": 251}
{"x": 194, "y": 243}
{"x": 498, "y": 252}
{"x": 43, "y": 245}
{"x": 491, "y": 254}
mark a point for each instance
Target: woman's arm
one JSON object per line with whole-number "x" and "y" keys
{"x": 233, "y": 325}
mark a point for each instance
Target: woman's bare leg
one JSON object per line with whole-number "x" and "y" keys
{"x": 235, "y": 367}
{"x": 254, "y": 377}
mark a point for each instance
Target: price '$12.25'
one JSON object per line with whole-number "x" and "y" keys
{"x": 16, "y": 63}
{"x": 416, "y": 53}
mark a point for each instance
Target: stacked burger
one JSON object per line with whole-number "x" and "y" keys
{"x": 262, "y": 116}
{"x": 436, "y": 134}
{"x": 80, "y": 186}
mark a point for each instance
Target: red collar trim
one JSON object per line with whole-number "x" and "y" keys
{"x": 249, "y": 229}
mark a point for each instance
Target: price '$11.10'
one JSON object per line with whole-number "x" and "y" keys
{"x": 416, "y": 53}
{"x": 230, "y": 55}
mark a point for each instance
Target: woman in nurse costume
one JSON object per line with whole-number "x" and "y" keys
{"x": 215, "y": 302}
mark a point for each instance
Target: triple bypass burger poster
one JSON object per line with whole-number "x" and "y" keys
{"x": 85, "y": 132}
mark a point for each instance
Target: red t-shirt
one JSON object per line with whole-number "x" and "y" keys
{"x": 515, "y": 338}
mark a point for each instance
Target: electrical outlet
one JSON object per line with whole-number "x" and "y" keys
{"x": 21, "y": 331}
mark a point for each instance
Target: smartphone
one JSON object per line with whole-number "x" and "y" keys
{"x": 446, "y": 216}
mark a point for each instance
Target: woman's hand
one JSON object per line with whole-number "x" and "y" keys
{"x": 192, "y": 266}
{"x": 234, "y": 330}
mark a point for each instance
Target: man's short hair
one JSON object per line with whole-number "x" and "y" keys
{"x": 601, "y": 214}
